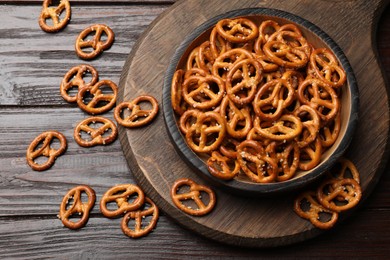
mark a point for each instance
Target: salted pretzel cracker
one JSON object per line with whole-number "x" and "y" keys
{"x": 243, "y": 90}
{"x": 83, "y": 44}
{"x": 72, "y": 204}
{"x": 176, "y": 90}
{"x": 222, "y": 167}
{"x": 100, "y": 102}
{"x": 41, "y": 146}
{"x": 255, "y": 163}
{"x": 226, "y": 60}
{"x": 339, "y": 195}
{"x": 120, "y": 195}
{"x": 228, "y": 147}
{"x": 198, "y": 93}
{"x": 288, "y": 49}
{"x": 237, "y": 30}
{"x": 138, "y": 117}
{"x": 339, "y": 191}
{"x": 272, "y": 98}
{"x": 286, "y": 156}
{"x": 96, "y": 133}
{"x": 326, "y": 67}
{"x": 139, "y": 216}
{"x": 310, "y": 156}
{"x": 314, "y": 210}
{"x": 54, "y": 14}
{"x": 238, "y": 120}
{"x": 194, "y": 194}
{"x": 310, "y": 125}
{"x": 207, "y": 133}
{"x": 74, "y": 78}
{"x": 266, "y": 29}
{"x": 328, "y": 134}
{"x": 218, "y": 44}
{"x": 287, "y": 127}
{"x": 317, "y": 100}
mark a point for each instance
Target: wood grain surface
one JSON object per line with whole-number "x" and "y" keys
{"x": 260, "y": 222}
{"x": 32, "y": 64}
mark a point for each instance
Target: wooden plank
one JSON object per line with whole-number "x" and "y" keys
{"x": 33, "y": 62}
{"x": 45, "y": 237}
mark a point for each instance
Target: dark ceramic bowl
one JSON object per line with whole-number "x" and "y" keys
{"x": 242, "y": 185}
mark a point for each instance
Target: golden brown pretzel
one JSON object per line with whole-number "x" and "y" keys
{"x": 194, "y": 194}
{"x": 193, "y": 59}
{"x": 100, "y": 102}
{"x": 222, "y": 167}
{"x": 237, "y": 30}
{"x": 310, "y": 125}
{"x": 138, "y": 117}
{"x": 176, "y": 90}
{"x": 83, "y": 44}
{"x": 321, "y": 96}
{"x": 96, "y": 135}
{"x": 287, "y": 127}
{"x": 238, "y": 120}
{"x": 272, "y": 98}
{"x": 139, "y": 216}
{"x": 255, "y": 163}
{"x": 224, "y": 62}
{"x": 53, "y": 13}
{"x": 72, "y": 204}
{"x": 287, "y": 49}
{"x": 339, "y": 194}
{"x": 207, "y": 133}
{"x": 120, "y": 195}
{"x": 328, "y": 133}
{"x": 266, "y": 29}
{"x": 242, "y": 90}
{"x": 314, "y": 210}
{"x": 310, "y": 155}
{"x": 188, "y": 118}
{"x": 218, "y": 44}
{"x": 74, "y": 78}
{"x": 326, "y": 67}
{"x": 287, "y": 158}
{"x": 198, "y": 93}
{"x": 205, "y": 57}
{"x": 40, "y": 146}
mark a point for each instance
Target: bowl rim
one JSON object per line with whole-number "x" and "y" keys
{"x": 247, "y": 188}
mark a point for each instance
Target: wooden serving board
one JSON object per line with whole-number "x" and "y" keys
{"x": 255, "y": 222}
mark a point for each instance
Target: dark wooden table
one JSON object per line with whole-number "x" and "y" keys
{"x": 32, "y": 64}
